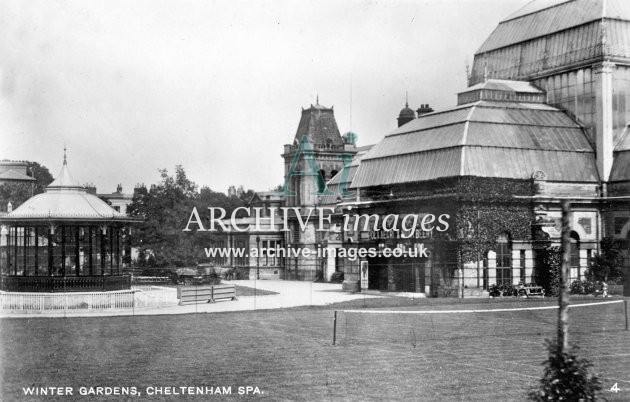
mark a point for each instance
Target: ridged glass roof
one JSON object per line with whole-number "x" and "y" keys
{"x": 485, "y": 139}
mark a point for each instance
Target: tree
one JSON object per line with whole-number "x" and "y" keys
{"x": 566, "y": 378}
{"x": 608, "y": 264}
{"x": 165, "y": 209}
{"x": 42, "y": 176}
{"x": 209, "y": 198}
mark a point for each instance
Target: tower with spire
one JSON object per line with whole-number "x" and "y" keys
{"x": 319, "y": 128}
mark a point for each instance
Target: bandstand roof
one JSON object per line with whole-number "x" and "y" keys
{"x": 65, "y": 200}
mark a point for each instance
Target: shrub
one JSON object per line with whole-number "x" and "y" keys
{"x": 502, "y": 290}
{"x": 582, "y": 287}
{"x": 549, "y": 260}
{"x": 577, "y": 288}
{"x": 212, "y": 277}
{"x": 566, "y": 378}
{"x": 337, "y": 277}
{"x": 607, "y": 266}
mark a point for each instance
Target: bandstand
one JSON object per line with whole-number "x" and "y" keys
{"x": 63, "y": 240}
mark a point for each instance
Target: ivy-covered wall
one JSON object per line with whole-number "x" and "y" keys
{"x": 488, "y": 208}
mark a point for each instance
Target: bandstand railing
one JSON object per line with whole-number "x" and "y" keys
{"x": 64, "y": 284}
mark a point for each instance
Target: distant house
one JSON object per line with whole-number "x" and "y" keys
{"x": 14, "y": 172}
{"x": 118, "y": 200}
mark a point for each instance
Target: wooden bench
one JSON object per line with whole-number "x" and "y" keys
{"x": 205, "y": 294}
{"x": 531, "y": 291}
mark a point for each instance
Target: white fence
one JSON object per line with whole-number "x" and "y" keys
{"x": 143, "y": 297}
{"x": 154, "y": 296}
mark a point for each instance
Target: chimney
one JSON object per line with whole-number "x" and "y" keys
{"x": 424, "y": 109}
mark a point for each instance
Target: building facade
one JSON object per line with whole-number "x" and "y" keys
{"x": 118, "y": 200}
{"x": 545, "y": 119}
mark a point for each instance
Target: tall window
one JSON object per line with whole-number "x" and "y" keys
{"x": 266, "y": 259}
{"x": 504, "y": 260}
{"x": 295, "y": 233}
{"x": 242, "y": 260}
{"x": 575, "y": 253}
{"x": 523, "y": 263}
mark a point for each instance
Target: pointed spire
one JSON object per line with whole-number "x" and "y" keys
{"x": 64, "y": 179}
{"x": 317, "y": 100}
{"x": 406, "y": 98}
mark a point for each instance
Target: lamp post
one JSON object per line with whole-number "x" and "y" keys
{"x": 258, "y": 257}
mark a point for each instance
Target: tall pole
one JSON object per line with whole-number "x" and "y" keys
{"x": 563, "y": 313}
{"x": 257, "y": 269}
{"x": 258, "y": 257}
{"x": 477, "y": 248}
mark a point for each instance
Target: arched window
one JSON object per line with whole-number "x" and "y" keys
{"x": 321, "y": 183}
{"x": 504, "y": 260}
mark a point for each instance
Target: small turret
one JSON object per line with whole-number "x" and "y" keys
{"x": 406, "y": 115}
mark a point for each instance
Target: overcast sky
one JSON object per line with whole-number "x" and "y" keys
{"x": 218, "y": 86}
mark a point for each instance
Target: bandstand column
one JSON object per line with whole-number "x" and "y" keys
{"x": 111, "y": 251}
{"x": 63, "y": 250}
{"x": 25, "y": 250}
{"x": 77, "y": 263}
{"x": 36, "y": 255}
{"x": 90, "y": 262}
{"x": 102, "y": 234}
{"x": 50, "y": 251}
{"x": 15, "y": 251}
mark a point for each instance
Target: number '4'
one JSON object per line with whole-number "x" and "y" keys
{"x": 614, "y": 388}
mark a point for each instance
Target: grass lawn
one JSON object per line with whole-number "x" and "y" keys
{"x": 288, "y": 353}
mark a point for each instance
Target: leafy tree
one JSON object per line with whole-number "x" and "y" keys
{"x": 608, "y": 264}
{"x": 247, "y": 196}
{"x": 566, "y": 377}
{"x": 209, "y": 198}
{"x": 166, "y": 209}
{"x": 42, "y": 176}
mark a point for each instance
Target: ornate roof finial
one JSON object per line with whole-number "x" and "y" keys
{"x": 64, "y": 155}
{"x": 406, "y": 98}
{"x": 317, "y": 100}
